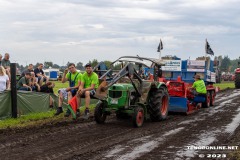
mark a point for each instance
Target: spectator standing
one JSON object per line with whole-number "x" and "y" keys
{"x": 6, "y": 64}
{"x": 40, "y": 74}
{"x": 4, "y": 80}
{"x": 5, "y": 61}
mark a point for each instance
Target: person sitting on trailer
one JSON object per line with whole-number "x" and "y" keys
{"x": 74, "y": 77}
{"x": 48, "y": 88}
{"x": 39, "y": 73}
{"x": 33, "y": 82}
{"x": 29, "y": 69}
{"x": 24, "y": 84}
{"x": 88, "y": 87}
{"x": 199, "y": 86}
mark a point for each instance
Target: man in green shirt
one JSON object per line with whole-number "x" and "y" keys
{"x": 89, "y": 84}
{"x": 23, "y": 83}
{"x": 74, "y": 77}
{"x": 199, "y": 85}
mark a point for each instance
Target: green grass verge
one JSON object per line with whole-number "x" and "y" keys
{"x": 34, "y": 119}
{"x": 224, "y": 85}
{"x": 58, "y": 85}
{"x": 39, "y": 118}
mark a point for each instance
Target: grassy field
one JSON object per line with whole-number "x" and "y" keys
{"x": 224, "y": 85}
{"x": 38, "y": 118}
{"x": 58, "y": 85}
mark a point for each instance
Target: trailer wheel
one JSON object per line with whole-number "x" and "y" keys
{"x": 158, "y": 104}
{"x": 206, "y": 104}
{"x": 99, "y": 114}
{"x": 138, "y": 117}
{"x": 212, "y": 98}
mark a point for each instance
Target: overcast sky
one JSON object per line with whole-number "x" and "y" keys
{"x": 81, "y": 30}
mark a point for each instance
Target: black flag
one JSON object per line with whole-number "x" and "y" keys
{"x": 208, "y": 49}
{"x": 160, "y": 46}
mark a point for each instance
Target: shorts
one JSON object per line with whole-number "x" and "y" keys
{"x": 39, "y": 78}
{"x": 74, "y": 92}
{"x": 92, "y": 93}
{"x": 195, "y": 93}
{"x": 65, "y": 93}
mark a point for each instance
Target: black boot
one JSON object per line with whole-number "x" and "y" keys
{"x": 78, "y": 113}
{"x": 59, "y": 111}
{"x": 68, "y": 113}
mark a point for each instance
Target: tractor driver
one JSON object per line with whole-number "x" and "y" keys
{"x": 199, "y": 86}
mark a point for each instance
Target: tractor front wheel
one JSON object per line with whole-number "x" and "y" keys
{"x": 99, "y": 114}
{"x": 138, "y": 117}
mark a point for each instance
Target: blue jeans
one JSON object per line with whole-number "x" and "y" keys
{"x": 24, "y": 89}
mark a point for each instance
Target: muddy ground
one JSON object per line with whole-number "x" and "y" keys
{"x": 118, "y": 140}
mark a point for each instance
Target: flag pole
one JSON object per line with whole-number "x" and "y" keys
{"x": 160, "y": 56}
{"x": 206, "y": 50}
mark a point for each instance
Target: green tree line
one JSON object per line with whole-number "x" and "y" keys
{"x": 226, "y": 64}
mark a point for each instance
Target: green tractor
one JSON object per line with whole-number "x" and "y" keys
{"x": 130, "y": 93}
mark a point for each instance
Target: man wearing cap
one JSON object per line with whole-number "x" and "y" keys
{"x": 199, "y": 85}
{"x": 89, "y": 84}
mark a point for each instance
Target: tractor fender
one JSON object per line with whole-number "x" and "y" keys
{"x": 161, "y": 84}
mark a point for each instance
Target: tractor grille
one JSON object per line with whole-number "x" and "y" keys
{"x": 115, "y": 94}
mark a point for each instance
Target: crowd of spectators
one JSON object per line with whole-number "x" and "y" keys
{"x": 80, "y": 85}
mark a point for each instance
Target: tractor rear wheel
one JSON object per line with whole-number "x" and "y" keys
{"x": 237, "y": 80}
{"x": 158, "y": 103}
{"x": 212, "y": 98}
{"x": 138, "y": 117}
{"x": 99, "y": 114}
{"x": 206, "y": 104}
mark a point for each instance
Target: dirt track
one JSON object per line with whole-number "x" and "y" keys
{"x": 168, "y": 139}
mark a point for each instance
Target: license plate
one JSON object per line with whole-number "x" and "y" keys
{"x": 114, "y": 101}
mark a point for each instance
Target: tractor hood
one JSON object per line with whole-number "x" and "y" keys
{"x": 121, "y": 87}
